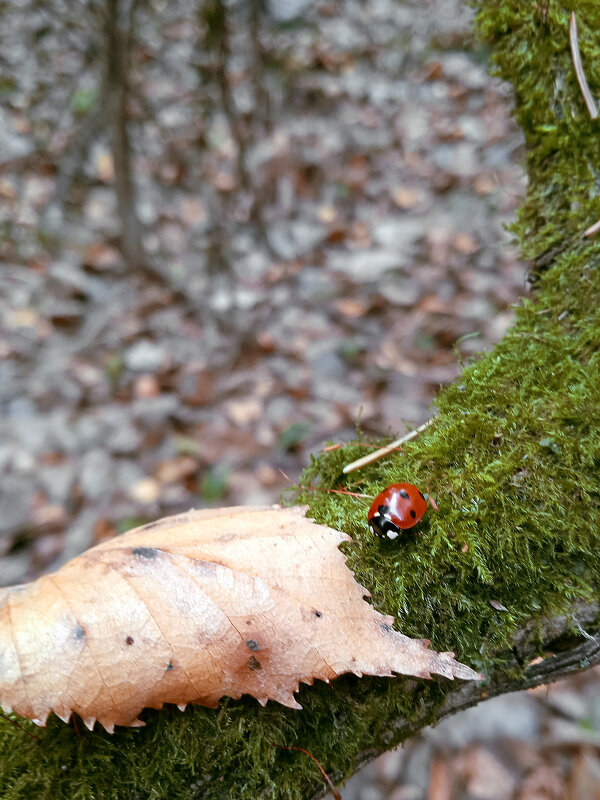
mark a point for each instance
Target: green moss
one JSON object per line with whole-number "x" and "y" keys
{"x": 512, "y": 461}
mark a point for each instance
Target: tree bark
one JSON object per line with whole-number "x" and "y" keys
{"x": 118, "y": 36}
{"x": 554, "y": 632}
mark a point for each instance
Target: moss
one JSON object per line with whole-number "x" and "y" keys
{"x": 512, "y": 461}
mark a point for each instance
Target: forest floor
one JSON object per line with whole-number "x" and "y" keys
{"x": 331, "y": 249}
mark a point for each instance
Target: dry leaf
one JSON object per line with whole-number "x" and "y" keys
{"x": 190, "y": 608}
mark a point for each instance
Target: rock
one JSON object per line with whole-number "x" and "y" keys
{"x": 368, "y": 265}
{"x": 503, "y": 719}
{"x": 155, "y": 410}
{"x": 119, "y": 432}
{"x": 324, "y": 361}
{"x": 16, "y": 499}
{"x": 291, "y": 239}
{"x": 12, "y": 144}
{"x": 287, "y": 10}
{"x": 402, "y": 292}
{"x": 398, "y": 232}
{"x": 57, "y": 480}
{"x": 458, "y": 159}
{"x": 97, "y": 475}
{"x": 15, "y": 569}
{"x": 79, "y": 536}
{"x": 144, "y": 356}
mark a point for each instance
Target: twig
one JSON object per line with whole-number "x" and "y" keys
{"x": 20, "y": 727}
{"x": 583, "y": 84}
{"x": 341, "y": 490}
{"x": 592, "y": 229}
{"x": 335, "y": 792}
{"x": 384, "y": 451}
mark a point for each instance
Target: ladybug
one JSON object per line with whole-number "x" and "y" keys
{"x": 397, "y": 508}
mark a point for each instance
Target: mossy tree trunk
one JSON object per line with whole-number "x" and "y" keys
{"x": 513, "y": 460}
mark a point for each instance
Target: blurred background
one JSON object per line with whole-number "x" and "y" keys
{"x": 229, "y": 233}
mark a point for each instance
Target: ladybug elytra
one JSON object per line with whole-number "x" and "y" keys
{"x": 397, "y": 508}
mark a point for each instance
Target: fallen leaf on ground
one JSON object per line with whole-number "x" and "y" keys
{"x": 191, "y": 608}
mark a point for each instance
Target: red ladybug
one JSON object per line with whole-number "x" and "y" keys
{"x": 397, "y": 508}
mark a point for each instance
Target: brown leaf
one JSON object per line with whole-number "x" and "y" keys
{"x": 217, "y": 602}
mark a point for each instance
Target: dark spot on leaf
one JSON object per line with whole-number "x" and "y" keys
{"x": 129, "y": 640}
{"x": 145, "y": 552}
{"x": 169, "y": 666}
{"x": 150, "y": 525}
{"x": 252, "y": 644}
{"x": 254, "y": 663}
{"x": 79, "y": 632}
{"x": 386, "y": 628}
{"x": 318, "y": 614}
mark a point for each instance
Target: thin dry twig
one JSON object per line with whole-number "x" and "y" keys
{"x": 592, "y": 229}
{"x": 384, "y": 451}
{"x": 583, "y": 84}
{"x": 334, "y": 791}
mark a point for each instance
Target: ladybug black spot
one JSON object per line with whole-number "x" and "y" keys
{"x": 413, "y": 513}
{"x": 403, "y": 493}
{"x": 422, "y": 495}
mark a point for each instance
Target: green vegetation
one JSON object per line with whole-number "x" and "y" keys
{"x": 512, "y": 461}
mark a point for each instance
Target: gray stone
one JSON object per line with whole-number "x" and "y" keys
{"x": 399, "y": 233}
{"x": 153, "y": 410}
{"x": 12, "y": 144}
{"x": 327, "y": 364}
{"x": 79, "y": 536}
{"x": 314, "y": 284}
{"x": 57, "y": 481}
{"x": 119, "y": 432}
{"x": 15, "y": 569}
{"x": 127, "y": 474}
{"x": 291, "y": 239}
{"x": 459, "y": 159}
{"x": 16, "y": 498}
{"x": 97, "y": 475}
{"x": 21, "y": 407}
{"x": 514, "y": 716}
{"x": 402, "y": 292}
{"x": 287, "y": 10}
{"x": 144, "y": 356}
{"x": 366, "y": 266}
{"x": 279, "y": 410}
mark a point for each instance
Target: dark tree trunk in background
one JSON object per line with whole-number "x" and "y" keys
{"x": 119, "y": 23}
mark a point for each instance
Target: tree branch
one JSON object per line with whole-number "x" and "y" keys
{"x": 553, "y": 633}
